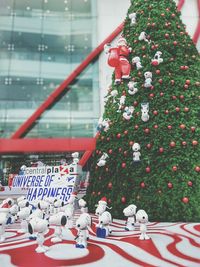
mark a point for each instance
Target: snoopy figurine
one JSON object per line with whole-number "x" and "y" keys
{"x": 132, "y": 17}
{"x": 82, "y": 204}
{"x": 157, "y": 59}
{"x": 136, "y": 152}
{"x": 148, "y": 79}
{"x": 102, "y": 161}
{"x": 3, "y": 220}
{"x": 58, "y": 220}
{"x": 104, "y": 230}
{"x": 40, "y": 228}
{"x": 113, "y": 94}
{"x": 136, "y": 61}
{"x": 145, "y": 111}
{"x": 82, "y": 224}
{"x": 131, "y": 88}
{"x": 130, "y": 212}
{"x": 128, "y": 111}
{"x": 103, "y": 125}
{"x": 75, "y": 157}
{"x": 142, "y": 219}
{"x": 121, "y": 102}
{"x": 144, "y": 37}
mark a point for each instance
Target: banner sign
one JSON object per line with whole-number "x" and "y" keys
{"x": 48, "y": 181}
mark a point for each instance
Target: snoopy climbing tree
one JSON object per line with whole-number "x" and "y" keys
{"x": 148, "y": 153}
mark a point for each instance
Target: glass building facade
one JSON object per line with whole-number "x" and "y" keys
{"x": 41, "y": 43}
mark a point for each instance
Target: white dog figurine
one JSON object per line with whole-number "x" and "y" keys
{"x": 82, "y": 204}
{"x": 132, "y": 17}
{"x": 128, "y": 111}
{"x": 148, "y": 79}
{"x": 82, "y": 224}
{"x": 101, "y": 207}
{"x": 130, "y": 212}
{"x": 144, "y": 37}
{"x": 136, "y": 61}
{"x": 142, "y": 219}
{"x": 131, "y": 88}
{"x": 105, "y": 219}
{"x": 157, "y": 59}
{"x": 136, "y": 152}
{"x": 23, "y": 215}
{"x": 3, "y": 220}
{"x": 40, "y": 228}
{"x": 58, "y": 220}
{"x": 145, "y": 111}
{"x": 102, "y": 161}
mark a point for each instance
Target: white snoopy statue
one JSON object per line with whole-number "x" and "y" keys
{"x": 142, "y": 219}
{"x": 82, "y": 224}
{"x": 130, "y": 212}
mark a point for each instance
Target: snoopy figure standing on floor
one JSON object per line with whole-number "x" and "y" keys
{"x": 142, "y": 219}
{"x": 131, "y": 220}
{"x": 82, "y": 224}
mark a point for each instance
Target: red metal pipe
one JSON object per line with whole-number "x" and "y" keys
{"x": 30, "y": 145}
{"x": 180, "y": 4}
{"x": 197, "y": 31}
{"x": 20, "y": 132}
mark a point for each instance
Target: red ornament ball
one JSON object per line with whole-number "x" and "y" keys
{"x": 149, "y": 146}
{"x": 184, "y": 143}
{"x": 187, "y": 82}
{"x": 99, "y": 193}
{"x": 185, "y": 200}
{"x": 172, "y": 144}
{"x": 170, "y": 185}
{"x": 174, "y": 168}
{"x": 142, "y": 184}
{"x": 157, "y": 72}
{"x": 194, "y": 142}
{"x": 131, "y": 143}
{"x": 172, "y": 82}
{"x": 197, "y": 169}
{"x": 193, "y": 129}
{"x": 189, "y": 183}
{"x": 182, "y": 126}
{"x": 147, "y": 130}
{"x": 161, "y": 149}
{"x": 110, "y": 151}
{"x": 118, "y": 135}
{"x": 126, "y": 132}
{"x": 110, "y": 185}
{"x": 148, "y": 169}
{"x": 123, "y": 165}
{"x": 123, "y": 200}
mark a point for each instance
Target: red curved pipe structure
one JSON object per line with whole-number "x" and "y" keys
{"x": 52, "y": 98}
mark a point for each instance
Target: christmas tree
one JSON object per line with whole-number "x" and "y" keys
{"x": 148, "y": 151}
